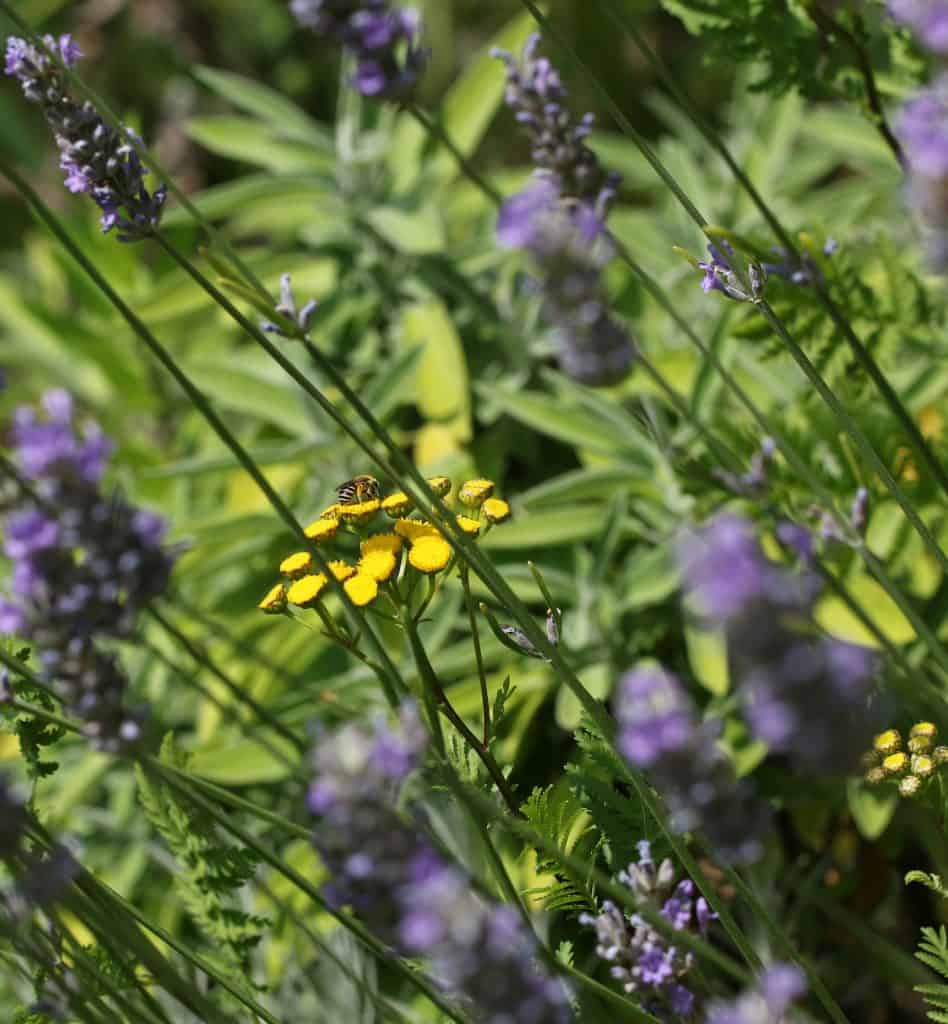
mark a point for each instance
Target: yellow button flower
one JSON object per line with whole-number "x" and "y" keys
{"x": 888, "y": 742}
{"x": 874, "y": 776}
{"x": 919, "y": 744}
{"x": 390, "y": 542}
{"x": 470, "y": 526}
{"x": 341, "y": 570}
{"x": 362, "y": 589}
{"x": 496, "y": 510}
{"x": 927, "y": 729}
{"x": 306, "y": 591}
{"x": 331, "y": 512}
{"x": 359, "y": 512}
{"x": 378, "y": 564}
{"x": 397, "y": 504}
{"x": 297, "y": 565}
{"x": 894, "y": 764}
{"x": 940, "y": 755}
{"x": 910, "y": 786}
{"x": 430, "y": 554}
{"x": 414, "y": 529}
{"x": 922, "y": 766}
{"x": 441, "y": 485}
{"x": 275, "y": 601}
{"x": 322, "y": 529}
{"x": 474, "y": 493}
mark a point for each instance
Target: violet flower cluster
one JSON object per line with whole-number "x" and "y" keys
{"x": 659, "y": 732}
{"x": 384, "y": 42}
{"x": 922, "y": 128}
{"x": 805, "y": 695}
{"x": 406, "y": 892}
{"x": 777, "y": 988}
{"x": 560, "y": 221}
{"x": 97, "y": 158}
{"x": 642, "y": 960}
{"x": 37, "y": 879}
{"x": 928, "y": 19}
{"x": 84, "y": 564}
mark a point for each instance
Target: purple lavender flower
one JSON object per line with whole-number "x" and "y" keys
{"x": 806, "y": 696}
{"x": 720, "y": 275}
{"x": 287, "y": 307}
{"x": 642, "y": 960}
{"x": 84, "y": 565}
{"x": 384, "y": 42}
{"x": 659, "y": 733}
{"x": 97, "y": 159}
{"x": 922, "y": 127}
{"x": 538, "y": 99}
{"x": 570, "y": 248}
{"x": 767, "y": 1002}
{"x": 928, "y": 19}
{"x": 755, "y": 480}
{"x": 403, "y": 889}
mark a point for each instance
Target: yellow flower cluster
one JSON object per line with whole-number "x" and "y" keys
{"x": 911, "y": 765}
{"x": 428, "y": 550}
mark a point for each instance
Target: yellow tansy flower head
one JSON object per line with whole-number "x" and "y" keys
{"x": 940, "y": 755}
{"x": 322, "y": 529}
{"x": 332, "y": 512}
{"x": 429, "y": 554}
{"x": 496, "y": 510}
{"x": 475, "y": 492}
{"x": 390, "y": 542}
{"x": 305, "y": 592}
{"x": 470, "y": 526}
{"x": 359, "y": 512}
{"x": 895, "y": 764}
{"x": 919, "y": 744}
{"x": 922, "y": 766}
{"x": 362, "y": 589}
{"x": 397, "y": 504}
{"x": 275, "y": 601}
{"x": 910, "y": 786}
{"x": 887, "y": 742}
{"x": 413, "y": 529}
{"x": 340, "y": 569}
{"x": 926, "y": 729}
{"x": 378, "y": 564}
{"x": 297, "y": 565}
{"x": 441, "y": 485}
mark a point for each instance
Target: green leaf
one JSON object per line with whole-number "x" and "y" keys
{"x": 244, "y": 762}
{"x": 442, "y": 392}
{"x": 836, "y": 617}
{"x": 872, "y": 807}
{"x": 707, "y": 656}
{"x": 284, "y": 117}
{"x": 932, "y": 882}
{"x": 418, "y": 231}
{"x": 651, "y": 577}
{"x": 246, "y": 140}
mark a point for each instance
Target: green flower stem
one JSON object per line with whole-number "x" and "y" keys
{"x": 431, "y": 684}
{"x": 391, "y": 684}
{"x": 415, "y": 978}
{"x": 761, "y": 914}
{"x": 478, "y": 655}
{"x": 235, "y": 690}
{"x": 862, "y": 354}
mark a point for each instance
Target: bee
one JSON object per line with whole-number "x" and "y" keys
{"x": 358, "y": 489}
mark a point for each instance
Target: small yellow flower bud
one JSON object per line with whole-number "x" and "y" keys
{"x": 441, "y": 485}
{"x": 469, "y": 526}
{"x": 305, "y": 592}
{"x": 322, "y": 529}
{"x": 910, "y": 786}
{"x": 927, "y": 729}
{"x": 475, "y": 492}
{"x": 919, "y": 744}
{"x": 922, "y": 766}
{"x": 496, "y": 510}
{"x": 887, "y": 742}
{"x": 940, "y": 755}
{"x": 297, "y": 565}
{"x": 397, "y": 504}
{"x": 362, "y": 589}
{"x": 275, "y": 601}
{"x": 870, "y": 759}
{"x": 875, "y": 775}
{"x": 895, "y": 764}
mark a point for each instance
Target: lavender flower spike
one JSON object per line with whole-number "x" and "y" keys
{"x": 97, "y": 158}
{"x": 83, "y": 565}
{"x": 418, "y": 903}
{"x": 384, "y": 42}
{"x": 641, "y": 958}
{"x": 767, "y": 1002}
{"x": 659, "y": 734}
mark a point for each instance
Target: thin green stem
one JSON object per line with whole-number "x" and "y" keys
{"x": 478, "y": 655}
